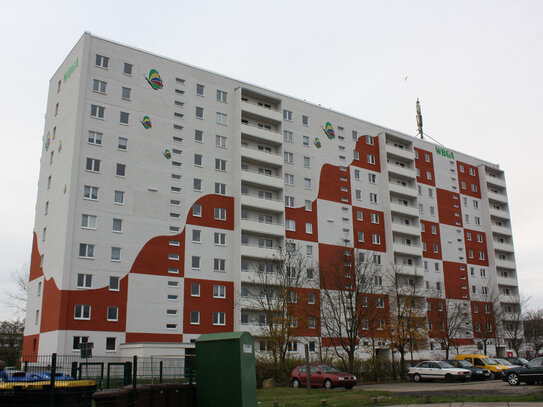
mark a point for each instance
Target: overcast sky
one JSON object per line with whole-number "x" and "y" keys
{"x": 476, "y": 66}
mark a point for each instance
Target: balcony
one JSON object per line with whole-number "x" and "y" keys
{"x": 270, "y": 181}
{"x": 408, "y": 270}
{"x": 255, "y": 154}
{"x": 402, "y": 190}
{"x": 501, "y": 198}
{"x": 405, "y": 229}
{"x": 504, "y": 247}
{"x": 262, "y": 133}
{"x": 258, "y": 252}
{"x": 495, "y": 181}
{"x": 507, "y": 281}
{"x": 254, "y": 201}
{"x": 399, "y": 152}
{"x": 262, "y": 228}
{"x": 262, "y": 111}
{"x": 499, "y": 213}
{"x": 401, "y": 171}
{"x": 410, "y": 250}
{"x": 506, "y": 264}
{"x": 409, "y": 210}
{"x": 504, "y": 230}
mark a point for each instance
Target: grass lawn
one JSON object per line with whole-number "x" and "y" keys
{"x": 289, "y": 397}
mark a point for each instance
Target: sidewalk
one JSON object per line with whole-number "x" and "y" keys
{"x": 473, "y": 404}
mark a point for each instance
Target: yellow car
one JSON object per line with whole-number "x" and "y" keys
{"x": 496, "y": 368}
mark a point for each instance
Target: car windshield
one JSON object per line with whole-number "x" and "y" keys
{"x": 535, "y": 362}
{"x": 445, "y": 365}
{"x": 464, "y": 363}
{"x": 329, "y": 369}
{"x": 523, "y": 361}
{"x": 504, "y": 362}
{"x": 489, "y": 361}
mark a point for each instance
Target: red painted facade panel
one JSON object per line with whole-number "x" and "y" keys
{"x": 153, "y": 258}
{"x": 437, "y": 316}
{"x": 468, "y": 180}
{"x": 209, "y": 203}
{"x": 431, "y": 239}
{"x": 482, "y": 317}
{"x": 456, "y": 280}
{"x": 364, "y": 149}
{"x": 138, "y": 337}
{"x": 424, "y": 162}
{"x": 206, "y": 305}
{"x": 301, "y": 216}
{"x": 448, "y": 207}
{"x": 331, "y": 181}
{"x": 303, "y": 311}
{"x": 368, "y": 228}
{"x": 476, "y": 252}
{"x": 35, "y": 260}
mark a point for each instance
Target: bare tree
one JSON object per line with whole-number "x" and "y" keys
{"x": 453, "y": 320}
{"x": 16, "y": 298}
{"x": 11, "y": 341}
{"x": 278, "y": 297}
{"x": 407, "y": 323}
{"x": 512, "y": 316}
{"x": 533, "y": 329}
{"x": 347, "y": 306}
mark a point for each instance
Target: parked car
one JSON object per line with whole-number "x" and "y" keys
{"x": 484, "y": 361}
{"x": 518, "y": 361}
{"x": 506, "y": 362}
{"x": 437, "y": 369}
{"x": 322, "y": 376}
{"x": 477, "y": 373}
{"x": 530, "y": 374}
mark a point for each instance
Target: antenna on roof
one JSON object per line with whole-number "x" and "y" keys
{"x": 419, "y": 120}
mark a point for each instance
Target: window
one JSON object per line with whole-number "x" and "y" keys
{"x": 309, "y": 250}
{"x": 114, "y": 283}
{"x": 220, "y": 165}
{"x": 82, "y": 311}
{"x": 375, "y": 238}
{"x": 122, "y": 143}
{"x": 436, "y": 266}
{"x": 220, "y": 213}
{"x": 374, "y": 218}
{"x": 289, "y": 179}
{"x": 220, "y": 189}
{"x": 88, "y": 221}
{"x": 123, "y": 119}
{"x": 197, "y": 210}
{"x": 219, "y": 239}
{"x": 361, "y": 236}
{"x": 127, "y": 70}
{"x": 196, "y": 262}
{"x": 118, "y": 197}
{"x": 97, "y": 111}
{"x": 125, "y": 93}
{"x": 195, "y": 318}
{"x": 221, "y": 118}
{"x": 199, "y": 112}
{"x": 219, "y": 318}
{"x": 117, "y": 225}
{"x": 475, "y": 204}
{"x": 84, "y": 280}
{"x": 196, "y": 235}
{"x": 112, "y": 313}
{"x": 110, "y": 344}
{"x": 287, "y": 115}
{"x": 287, "y": 136}
{"x": 290, "y": 225}
{"x": 371, "y": 159}
{"x": 99, "y": 86}
{"x": 305, "y": 120}
{"x": 195, "y": 289}
{"x": 373, "y": 198}
{"x": 380, "y": 302}
{"x": 197, "y": 184}
{"x": 289, "y": 157}
{"x": 473, "y": 188}
{"x": 221, "y": 96}
{"x": 79, "y": 340}
{"x": 308, "y": 206}
{"x": 477, "y": 220}
{"x": 90, "y": 192}
{"x": 199, "y": 89}
{"x": 56, "y": 109}
{"x": 198, "y": 135}
{"x": 359, "y": 215}
{"x": 434, "y": 229}
{"x": 102, "y": 61}
{"x": 116, "y": 253}
{"x": 120, "y": 170}
{"x": 289, "y": 201}
{"x": 95, "y": 138}
{"x": 432, "y": 211}
{"x": 219, "y": 291}
{"x": 307, "y": 183}
{"x": 305, "y": 140}
{"x": 220, "y": 141}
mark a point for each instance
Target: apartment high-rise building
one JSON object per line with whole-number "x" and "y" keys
{"x": 164, "y": 187}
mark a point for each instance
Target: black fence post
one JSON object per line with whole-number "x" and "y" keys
{"x": 74, "y": 370}
{"x": 134, "y": 372}
{"x": 127, "y": 373}
{"x": 53, "y": 369}
{"x": 25, "y": 368}
{"x": 161, "y": 366}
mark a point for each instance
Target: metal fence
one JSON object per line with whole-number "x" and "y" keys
{"x": 106, "y": 372}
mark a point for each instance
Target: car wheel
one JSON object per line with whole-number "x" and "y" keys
{"x": 417, "y": 378}
{"x": 492, "y": 375}
{"x": 513, "y": 379}
{"x": 295, "y": 383}
{"x": 448, "y": 378}
{"x": 328, "y": 384}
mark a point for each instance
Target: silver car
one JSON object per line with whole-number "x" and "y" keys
{"x": 437, "y": 369}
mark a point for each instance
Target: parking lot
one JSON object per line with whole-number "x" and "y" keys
{"x": 466, "y": 388}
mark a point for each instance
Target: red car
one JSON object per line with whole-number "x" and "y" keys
{"x": 322, "y": 376}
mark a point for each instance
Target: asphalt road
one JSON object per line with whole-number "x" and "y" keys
{"x": 444, "y": 388}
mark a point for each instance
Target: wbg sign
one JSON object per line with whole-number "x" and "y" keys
{"x": 71, "y": 69}
{"x": 445, "y": 153}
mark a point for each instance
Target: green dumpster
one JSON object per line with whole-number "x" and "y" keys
{"x": 225, "y": 370}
